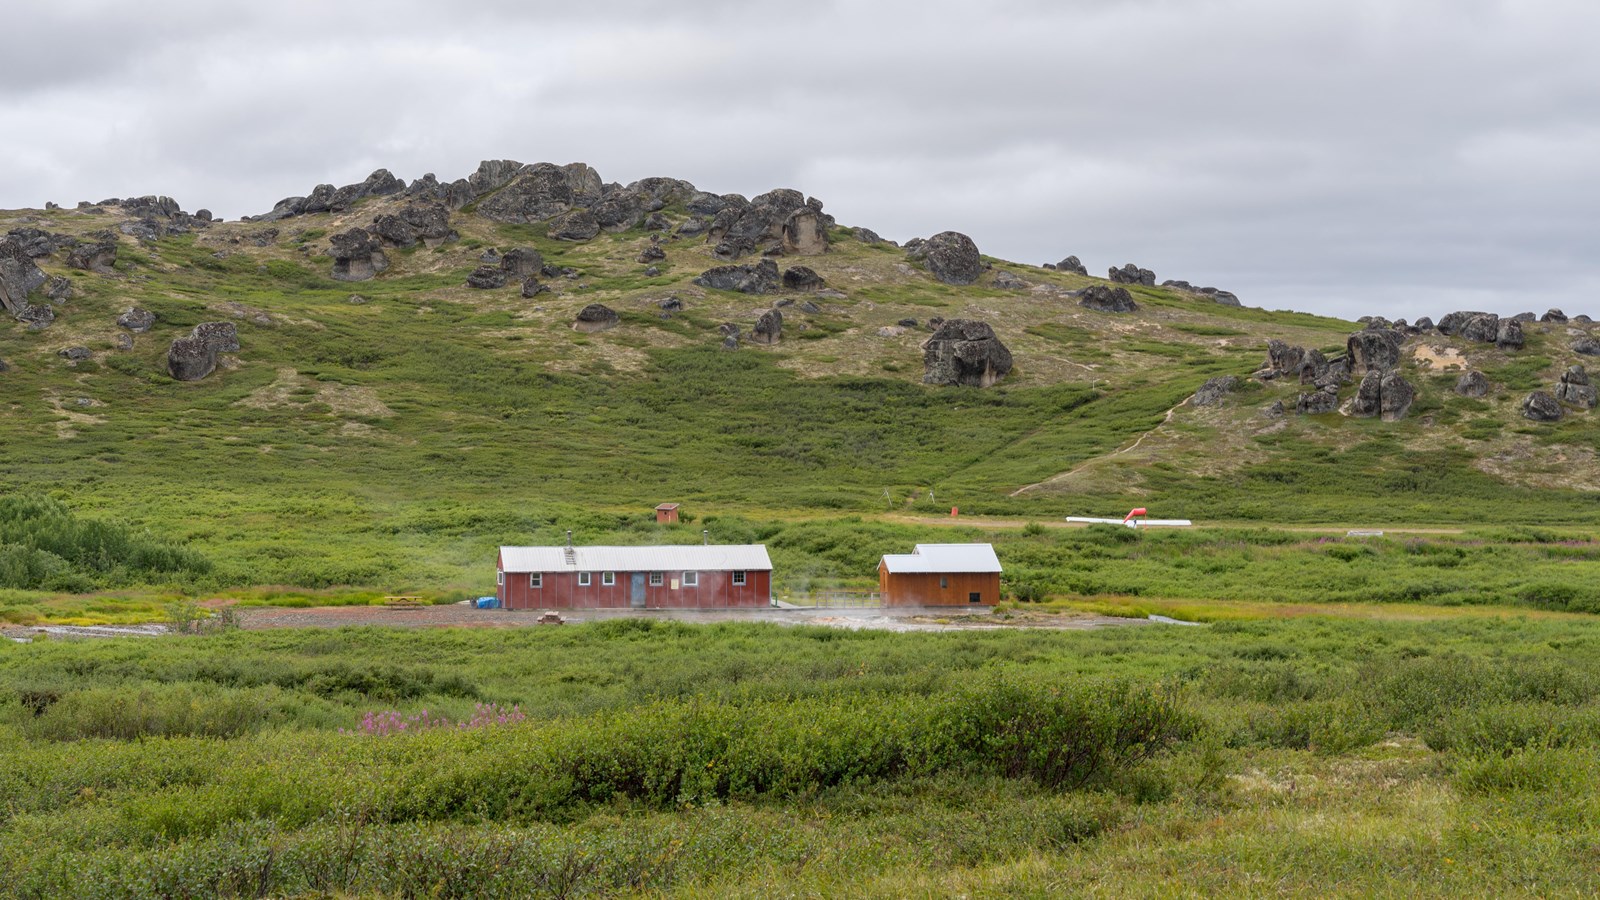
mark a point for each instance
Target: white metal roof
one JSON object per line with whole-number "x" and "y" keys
{"x": 944, "y": 558}
{"x": 674, "y": 557}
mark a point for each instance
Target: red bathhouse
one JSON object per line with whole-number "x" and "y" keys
{"x": 693, "y": 576}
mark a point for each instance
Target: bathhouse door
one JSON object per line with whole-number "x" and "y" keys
{"x": 637, "y": 594}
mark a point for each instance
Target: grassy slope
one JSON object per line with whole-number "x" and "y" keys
{"x": 394, "y": 441}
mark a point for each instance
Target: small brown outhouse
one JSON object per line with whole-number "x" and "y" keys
{"x": 940, "y": 575}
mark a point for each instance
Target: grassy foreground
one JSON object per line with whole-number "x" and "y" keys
{"x": 1312, "y": 756}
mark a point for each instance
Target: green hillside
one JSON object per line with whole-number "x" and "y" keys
{"x": 389, "y": 431}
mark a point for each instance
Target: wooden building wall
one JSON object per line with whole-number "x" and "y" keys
{"x": 933, "y": 589}
{"x": 561, "y": 590}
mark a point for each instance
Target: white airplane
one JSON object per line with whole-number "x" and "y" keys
{"x": 1133, "y": 520}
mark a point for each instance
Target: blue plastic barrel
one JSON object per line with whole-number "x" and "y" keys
{"x": 488, "y": 602}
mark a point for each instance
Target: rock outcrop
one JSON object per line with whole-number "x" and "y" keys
{"x": 1010, "y": 282}
{"x": 1071, "y": 264}
{"x": 427, "y": 223}
{"x": 357, "y": 255}
{"x": 1132, "y": 274}
{"x": 596, "y": 317}
{"x": 1100, "y": 298}
{"x": 768, "y": 328}
{"x": 1541, "y": 407}
{"x": 1586, "y": 346}
{"x": 1554, "y": 316}
{"x": 19, "y": 276}
{"x": 951, "y": 257}
{"x": 1322, "y": 400}
{"x": 1212, "y": 392}
{"x": 99, "y": 256}
{"x": 194, "y": 357}
{"x": 327, "y": 198}
{"x": 964, "y": 352}
{"x": 781, "y": 220}
{"x": 1472, "y": 384}
{"x": 1574, "y": 388}
{"x": 574, "y": 225}
{"x": 761, "y": 278}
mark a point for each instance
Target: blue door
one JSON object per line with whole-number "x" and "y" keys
{"x": 637, "y": 593}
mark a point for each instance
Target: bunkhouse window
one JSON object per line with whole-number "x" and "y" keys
{"x": 738, "y": 578}
{"x": 656, "y": 578}
{"x": 584, "y": 579}
{"x": 608, "y": 578}
{"x": 691, "y": 579}
{"x": 944, "y": 582}
{"x": 499, "y": 578}
{"x": 536, "y": 579}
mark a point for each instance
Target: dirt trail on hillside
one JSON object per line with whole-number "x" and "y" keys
{"x": 1165, "y": 421}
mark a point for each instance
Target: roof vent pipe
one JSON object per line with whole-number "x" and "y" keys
{"x": 569, "y": 538}
{"x": 705, "y": 536}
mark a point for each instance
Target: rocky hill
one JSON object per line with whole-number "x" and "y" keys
{"x": 429, "y": 355}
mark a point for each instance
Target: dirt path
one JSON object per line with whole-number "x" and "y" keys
{"x": 1165, "y": 421}
{"x": 462, "y": 616}
{"x": 1004, "y": 523}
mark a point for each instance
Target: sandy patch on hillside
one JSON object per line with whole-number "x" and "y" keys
{"x": 291, "y": 389}
{"x": 1438, "y": 357}
{"x": 70, "y": 411}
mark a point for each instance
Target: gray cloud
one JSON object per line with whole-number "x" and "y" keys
{"x": 1343, "y": 156}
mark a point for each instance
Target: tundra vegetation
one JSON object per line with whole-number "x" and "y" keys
{"x": 1425, "y": 756}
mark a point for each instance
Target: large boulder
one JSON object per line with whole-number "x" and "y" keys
{"x": 221, "y": 337}
{"x": 357, "y": 255}
{"x": 951, "y": 257}
{"x": 1384, "y": 394}
{"x": 1212, "y": 392}
{"x": 189, "y": 359}
{"x": 19, "y": 276}
{"x": 1541, "y": 407}
{"x": 1484, "y": 329}
{"x": 1423, "y": 325}
{"x": 1071, "y": 264}
{"x": 95, "y": 257}
{"x": 1132, "y": 274}
{"x": 1373, "y": 350}
{"x": 1473, "y": 326}
{"x": 1554, "y": 316}
{"x": 1575, "y": 389}
{"x": 521, "y": 262}
{"x": 57, "y": 288}
{"x": 802, "y": 278}
{"x": 1100, "y": 298}
{"x": 1322, "y": 400}
{"x": 1509, "y": 334}
{"x": 596, "y": 317}
{"x": 1010, "y": 282}
{"x": 1586, "y": 346}
{"x": 761, "y": 278}
{"x": 964, "y": 352}
{"x": 1472, "y": 384}
{"x": 768, "y": 329}
{"x": 38, "y": 243}
{"x": 574, "y": 225}
{"x": 487, "y": 278}
{"x": 194, "y": 357}
{"x": 137, "y": 320}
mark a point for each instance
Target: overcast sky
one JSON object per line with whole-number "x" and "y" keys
{"x": 1395, "y": 157}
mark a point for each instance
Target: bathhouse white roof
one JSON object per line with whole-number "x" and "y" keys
{"x": 937, "y": 558}
{"x": 680, "y": 557}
